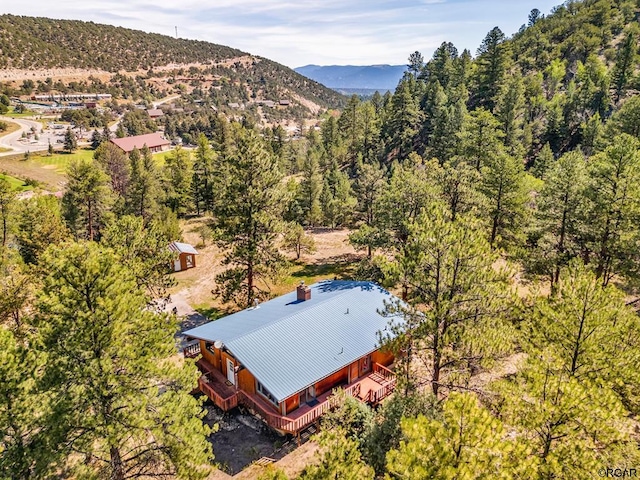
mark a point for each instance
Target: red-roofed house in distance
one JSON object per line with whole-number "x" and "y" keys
{"x": 186, "y": 256}
{"x": 155, "y": 113}
{"x": 155, "y": 142}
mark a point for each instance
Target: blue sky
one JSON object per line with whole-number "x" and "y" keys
{"x": 296, "y": 33}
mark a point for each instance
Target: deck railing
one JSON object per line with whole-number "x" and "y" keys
{"x": 384, "y": 372}
{"x": 290, "y": 425}
{"x": 191, "y": 351}
{"x": 224, "y": 403}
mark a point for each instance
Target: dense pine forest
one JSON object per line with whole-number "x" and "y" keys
{"x": 497, "y": 192}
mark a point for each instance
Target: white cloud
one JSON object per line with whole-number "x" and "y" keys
{"x": 306, "y": 31}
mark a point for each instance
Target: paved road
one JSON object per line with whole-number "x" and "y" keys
{"x": 15, "y": 142}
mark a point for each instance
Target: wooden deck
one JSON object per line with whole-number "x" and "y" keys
{"x": 372, "y": 389}
{"x": 215, "y": 386}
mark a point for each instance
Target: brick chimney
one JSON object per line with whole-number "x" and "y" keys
{"x": 304, "y": 292}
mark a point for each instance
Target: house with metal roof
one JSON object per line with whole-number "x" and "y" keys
{"x": 186, "y": 256}
{"x": 155, "y": 142}
{"x": 283, "y": 359}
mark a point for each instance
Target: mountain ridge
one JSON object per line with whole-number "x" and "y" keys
{"x": 374, "y": 77}
{"x": 39, "y": 43}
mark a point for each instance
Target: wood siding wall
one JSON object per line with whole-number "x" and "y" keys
{"x": 183, "y": 261}
{"x": 383, "y": 358}
{"x": 292, "y": 403}
{"x": 213, "y": 359}
{"x": 246, "y": 381}
{"x": 354, "y": 371}
{"x": 331, "y": 381}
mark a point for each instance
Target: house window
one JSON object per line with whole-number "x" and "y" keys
{"x": 189, "y": 261}
{"x": 266, "y": 393}
{"x": 210, "y": 347}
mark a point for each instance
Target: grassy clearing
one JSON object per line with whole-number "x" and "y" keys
{"x": 16, "y": 183}
{"x": 209, "y": 311}
{"x": 11, "y": 127}
{"x": 59, "y": 161}
{"x": 314, "y": 272}
{"x": 25, "y": 114}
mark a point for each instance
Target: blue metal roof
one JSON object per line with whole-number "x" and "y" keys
{"x": 289, "y": 345}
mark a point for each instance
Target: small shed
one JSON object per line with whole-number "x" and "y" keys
{"x": 186, "y": 256}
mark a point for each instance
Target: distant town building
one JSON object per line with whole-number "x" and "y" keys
{"x": 155, "y": 113}
{"x": 153, "y": 141}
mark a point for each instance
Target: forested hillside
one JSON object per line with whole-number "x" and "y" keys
{"x": 498, "y": 195}
{"x": 34, "y": 43}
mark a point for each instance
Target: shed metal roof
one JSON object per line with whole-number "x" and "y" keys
{"x": 289, "y": 344}
{"x": 182, "y": 248}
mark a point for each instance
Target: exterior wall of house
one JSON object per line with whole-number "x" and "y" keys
{"x": 187, "y": 260}
{"x": 213, "y": 359}
{"x": 292, "y": 403}
{"x": 246, "y": 381}
{"x": 331, "y": 381}
{"x": 383, "y": 358}
{"x": 353, "y": 372}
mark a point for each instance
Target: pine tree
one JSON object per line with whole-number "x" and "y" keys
{"x": 510, "y": 113}
{"x": 7, "y": 200}
{"x": 297, "y": 241}
{"x": 247, "y": 218}
{"x": 337, "y": 200}
{"x": 39, "y": 224}
{"x": 480, "y": 137}
{"x": 125, "y": 406}
{"x": 544, "y": 162}
{"x": 203, "y": 172}
{"x": 96, "y": 139}
{"x": 23, "y": 411}
{"x": 614, "y": 199}
{"x": 339, "y": 458}
{"x": 558, "y": 229}
{"x": 115, "y": 164}
{"x": 447, "y": 270}
{"x": 502, "y": 184}
{"x": 311, "y": 187}
{"x": 467, "y": 443}
{"x": 368, "y": 187}
{"x": 143, "y": 249}
{"x": 144, "y": 185}
{"x": 403, "y": 122}
{"x": 87, "y": 200}
{"x": 492, "y": 63}
{"x": 178, "y": 175}
{"x": 626, "y": 59}
{"x": 70, "y": 141}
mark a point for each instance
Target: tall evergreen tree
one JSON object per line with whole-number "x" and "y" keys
{"x": 87, "y": 200}
{"x": 7, "y": 200}
{"x": 123, "y": 405}
{"x": 502, "y": 184}
{"x": 247, "y": 219}
{"x": 144, "y": 186}
{"x": 559, "y": 224}
{"x": 177, "y": 181}
{"x": 626, "y": 59}
{"x": 492, "y": 61}
{"x": 203, "y": 176}
{"x": 467, "y": 443}
{"x": 448, "y": 270}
